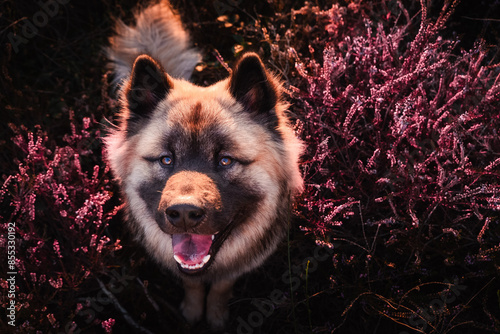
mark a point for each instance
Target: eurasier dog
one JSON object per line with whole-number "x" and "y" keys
{"x": 207, "y": 173}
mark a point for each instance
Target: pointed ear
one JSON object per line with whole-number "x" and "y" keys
{"x": 254, "y": 88}
{"x": 148, "y": 85}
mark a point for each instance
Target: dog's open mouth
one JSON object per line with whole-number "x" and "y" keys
{"x": 192, "y": 251}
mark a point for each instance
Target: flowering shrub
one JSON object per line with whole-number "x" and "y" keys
{"x": 403, "y": 164}
{"x": 414, "y": 128}
{"x": 58, "y": 203}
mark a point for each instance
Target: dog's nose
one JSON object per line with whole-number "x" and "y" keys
{"x": 184, "y": 215}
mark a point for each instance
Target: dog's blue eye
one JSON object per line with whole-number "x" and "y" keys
{"x": 225, "y": 161}
{"x": 166, "y": 161}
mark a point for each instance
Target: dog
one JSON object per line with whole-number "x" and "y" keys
{"x": 207, "y": 174}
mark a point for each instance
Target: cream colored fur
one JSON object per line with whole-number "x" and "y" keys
{"x": 158, "y": 32}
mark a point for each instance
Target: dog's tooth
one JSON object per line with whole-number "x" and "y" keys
{"x": 213, "y": 237}
{"x": 192, "y": 266}
{"x": 195, "y": 266}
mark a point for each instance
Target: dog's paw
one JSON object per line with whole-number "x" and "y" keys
{"x": 217, "y": 316}
{"x": 192, "y": 311}
{"x": 217, "y": 304}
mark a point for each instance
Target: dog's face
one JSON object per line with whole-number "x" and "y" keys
{"x": 200, "y": 181}
{"x": 203, "y": 167}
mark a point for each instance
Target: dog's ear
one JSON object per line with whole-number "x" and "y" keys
{"x": 148, "y": 85}
{"x": 253, "y": 87}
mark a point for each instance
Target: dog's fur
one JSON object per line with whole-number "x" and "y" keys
{"x": 199, "y": 163}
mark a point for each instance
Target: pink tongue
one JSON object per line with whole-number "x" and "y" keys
{"x": 191, "y": 248}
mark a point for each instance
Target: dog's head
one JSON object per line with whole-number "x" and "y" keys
{"x": 197, "y": 163}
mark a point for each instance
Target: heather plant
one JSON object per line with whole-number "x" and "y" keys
{"x": 403, "y": 164}
{"x": 416, "y": 123}
{"x": 57, "y": 207}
